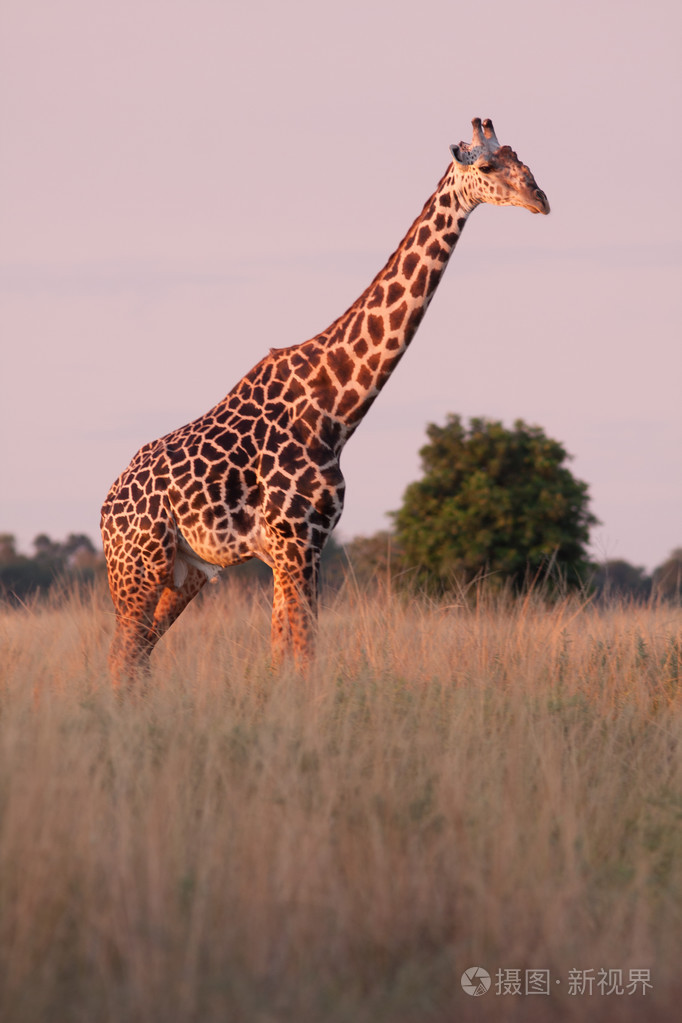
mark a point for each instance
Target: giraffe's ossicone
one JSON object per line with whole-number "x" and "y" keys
{"x": 259, "y": 474}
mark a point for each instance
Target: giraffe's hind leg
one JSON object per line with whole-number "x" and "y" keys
{"x": 133, "y": 637}
{"x": 173, "y": 601}
{"x": 141, "y": 622}
{"x": 145, "y": 600}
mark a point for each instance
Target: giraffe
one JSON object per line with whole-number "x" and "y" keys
{"x": 259, "y": 474}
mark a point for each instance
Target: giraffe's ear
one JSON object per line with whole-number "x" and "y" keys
{"x": 461, "y": 154}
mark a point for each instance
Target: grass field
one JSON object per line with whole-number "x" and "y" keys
{"x": 493, "y": 784}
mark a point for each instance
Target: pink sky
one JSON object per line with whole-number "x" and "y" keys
{"x": 184, "y": 183}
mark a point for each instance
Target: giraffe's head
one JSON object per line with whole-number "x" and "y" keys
{"x": 488, "y": 172}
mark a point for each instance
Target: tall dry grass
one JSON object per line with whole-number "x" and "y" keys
{"x": 495, "y": 784}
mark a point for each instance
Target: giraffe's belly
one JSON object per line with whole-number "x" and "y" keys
{"x": 229, "y": 512}
{"x": 186, "y": 558}
{"x": 222, "y": 538}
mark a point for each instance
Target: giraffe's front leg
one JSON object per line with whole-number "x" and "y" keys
{"x": 294, "y": 606}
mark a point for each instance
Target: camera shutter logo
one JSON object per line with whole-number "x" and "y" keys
{"x": 475, "y": 981}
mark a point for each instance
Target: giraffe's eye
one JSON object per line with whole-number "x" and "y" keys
{"x": 485, "y": 168}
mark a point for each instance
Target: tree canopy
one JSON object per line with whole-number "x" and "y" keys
{"x": 493, "y": 501}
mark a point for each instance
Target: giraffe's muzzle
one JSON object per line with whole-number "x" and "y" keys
{"x": 539, "y": 202}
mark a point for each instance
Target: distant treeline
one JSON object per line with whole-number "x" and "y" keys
{"x": 76, "y": 559}
{"x": 52, "y": 562}
{"x": 367, "y": 559}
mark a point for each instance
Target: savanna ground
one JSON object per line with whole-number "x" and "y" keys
{"x": 493, "y": 783}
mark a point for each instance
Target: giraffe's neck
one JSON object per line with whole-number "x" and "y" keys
{"x": 365, "y": 344}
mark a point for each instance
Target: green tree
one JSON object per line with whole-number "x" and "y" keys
{"x": 496, "y": 501}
